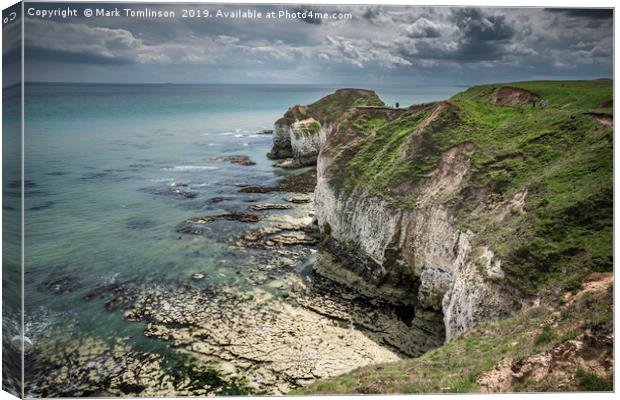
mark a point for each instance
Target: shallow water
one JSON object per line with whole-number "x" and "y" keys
{"x": 111, "y": 170}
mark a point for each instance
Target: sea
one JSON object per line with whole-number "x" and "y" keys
{"x": 112, "y": 169}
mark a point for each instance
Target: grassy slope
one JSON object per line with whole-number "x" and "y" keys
{"x": 559, "y": 154}
{"x": 455, "y": 367}
{"x": 331, "y": 107}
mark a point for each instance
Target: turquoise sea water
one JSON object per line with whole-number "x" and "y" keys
{"x": 100, "y": 164}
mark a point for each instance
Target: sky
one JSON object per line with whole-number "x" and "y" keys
{"x": 379, "y": 45}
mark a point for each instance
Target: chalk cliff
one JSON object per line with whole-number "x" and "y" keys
{"x": 416, "y": 247}
{"x": 493, "y": 207}
{"x": 456, "y": 207}
{"x": 301, "y": 132}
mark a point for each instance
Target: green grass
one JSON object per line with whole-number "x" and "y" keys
{"x": 456, "y": 366}
{"x": 307, "y": 129}
{"x": 546, "y": 336}
{"x": 560, "y": 155}
{"x": 332, "y": 107}
{"x": 590, "y": 382}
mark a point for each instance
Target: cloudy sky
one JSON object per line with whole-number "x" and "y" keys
{"x": 382, "y": 45}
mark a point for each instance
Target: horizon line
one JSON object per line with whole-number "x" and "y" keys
{"x": 346, "y": 85}
{"x": 336, "y": 85}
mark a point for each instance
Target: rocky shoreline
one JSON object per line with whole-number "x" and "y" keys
{"x": 291, "y": 326}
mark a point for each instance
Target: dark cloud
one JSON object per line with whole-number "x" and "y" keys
{"x": 477, "y": 27}
{"x": 34, "y": 53}
{"x": 383, "y": 44}
{"x": 307, "y": 12}
{"x": 592, "y": 13}
{"x": 371, "y": 13}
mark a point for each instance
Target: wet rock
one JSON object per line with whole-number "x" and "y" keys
{"x": 236, "y": 159}
{"x": 61, "y": 285}
{"x": 295, "y": 238}
{"x": 198, "y": 276}
{"x": 101, "y": 290}
{"x": 72, "y": 366}
{"x": 175, "y": 191}
{"x": 272, "y": 344}
{"x": 410, "y": 331}
{"x": 196, "y": 226}
{"x": 42, "y": 206}
{"x": 140, "y": 223}
{"x": 298, "y": 200}
{"x": 258, "y": 189}
{"x": 216, "y": 200}
{"x": 284, "y": 231}
{"x": 179, "y": 184}
{"x": 287, "y": 163}
{"x": 304, "y": 182}
{"x": 228, "y": 217}
{"x": 263, "y": 207}
{"x": 187, "y": 229}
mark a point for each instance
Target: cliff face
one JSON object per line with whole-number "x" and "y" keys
{"x": 420, "y": 249}
{"x": 303, "y": 130}
{"x": 465, "y": 209}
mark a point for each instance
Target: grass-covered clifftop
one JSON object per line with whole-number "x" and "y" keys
{"x": 537, "y": 192}
{"x": 553, "y": 149}
{"x": 297, "y": 133}
{"x": 331, "y": 107}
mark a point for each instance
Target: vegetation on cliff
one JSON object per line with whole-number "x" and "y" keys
{"x": 538, "y": 192}
{"x": 310, "y": 128}
{"x": 550, "y": 149}
{"x": 331, "y": 107}
{"x": 561, "y": 346}
{"x": 296, "y": 134}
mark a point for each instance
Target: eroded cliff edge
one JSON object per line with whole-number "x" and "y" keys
{"x": 302, "y": 131}
{"x": 468, "y": 209}
{"x": 402, "y": 233}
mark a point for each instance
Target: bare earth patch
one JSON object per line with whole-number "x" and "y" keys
{"x": 559, "y": 365}
{"x": 604, "y": 119}
{"x": 512, "y": 96}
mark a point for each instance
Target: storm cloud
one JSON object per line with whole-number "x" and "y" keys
{"x": 391, "y": 45}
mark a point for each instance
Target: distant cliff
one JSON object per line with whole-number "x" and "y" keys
{"x": 301, "y": 132}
